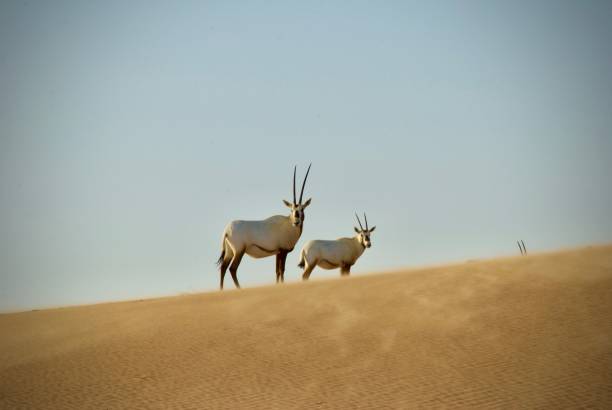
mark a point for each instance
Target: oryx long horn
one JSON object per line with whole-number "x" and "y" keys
{"x": 294, "y": 168}
{"x": 304, "y": 183}
{"x": 519, "y": 245}
{"x": 525, "y": 249}
{"x": 366, "y": 220}
{"x": 357, "y": 216}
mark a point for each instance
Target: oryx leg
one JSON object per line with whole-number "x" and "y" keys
{"x": 308, "y": 270}
{"x": 227, "y": 259}
{"x": 234, "y": 266}
{"x": 345, "y": 270}
{"x": 281, "y": 259}
{"x": 224, "y": 266}
{"x": 278, "y": 267}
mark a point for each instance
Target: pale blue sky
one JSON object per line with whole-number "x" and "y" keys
{"x": 131, "y": 134}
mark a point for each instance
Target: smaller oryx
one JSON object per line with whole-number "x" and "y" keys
{"x": 341, "y": 253}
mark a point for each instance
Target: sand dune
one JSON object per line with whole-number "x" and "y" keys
{"x": 524, "y": 332}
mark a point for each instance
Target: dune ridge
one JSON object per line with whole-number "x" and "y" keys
{"x": 522, "y": 332}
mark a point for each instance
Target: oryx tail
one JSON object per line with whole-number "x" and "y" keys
{"x": 220, "y": 260}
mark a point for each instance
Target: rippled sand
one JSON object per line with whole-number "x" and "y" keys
{"x": 523, "y": 332}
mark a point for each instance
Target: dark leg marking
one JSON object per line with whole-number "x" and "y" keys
{"x": 308, "y": 270}
{"x": 224, "y": 265}
{"x": 283, "y": 260}
{"x": 278, "y": 265}
{"x": 234, "y": 267}
{"x": 345, "y": 270}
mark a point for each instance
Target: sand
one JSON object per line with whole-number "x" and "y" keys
{"x": 521, "y": 332}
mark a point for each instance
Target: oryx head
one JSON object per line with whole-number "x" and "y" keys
{"x": 364, "y": 234}
{"x": 297, "y": 207}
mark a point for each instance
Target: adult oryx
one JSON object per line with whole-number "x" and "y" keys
{"x": 341, "y": 253}
{"x": 276, "y": 235}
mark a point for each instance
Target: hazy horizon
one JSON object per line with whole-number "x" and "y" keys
{"x": 131, "y": 135}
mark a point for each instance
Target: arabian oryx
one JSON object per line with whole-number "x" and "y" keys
{"x": 341, "y": 253}
{"x": 276, "y": 235}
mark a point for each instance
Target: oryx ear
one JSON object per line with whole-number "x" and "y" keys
{"x": 372, "y": 228}
{"x": 287, "y": 203}
{"x": 306, "y": 203}
{"x": 356, "y": 229}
